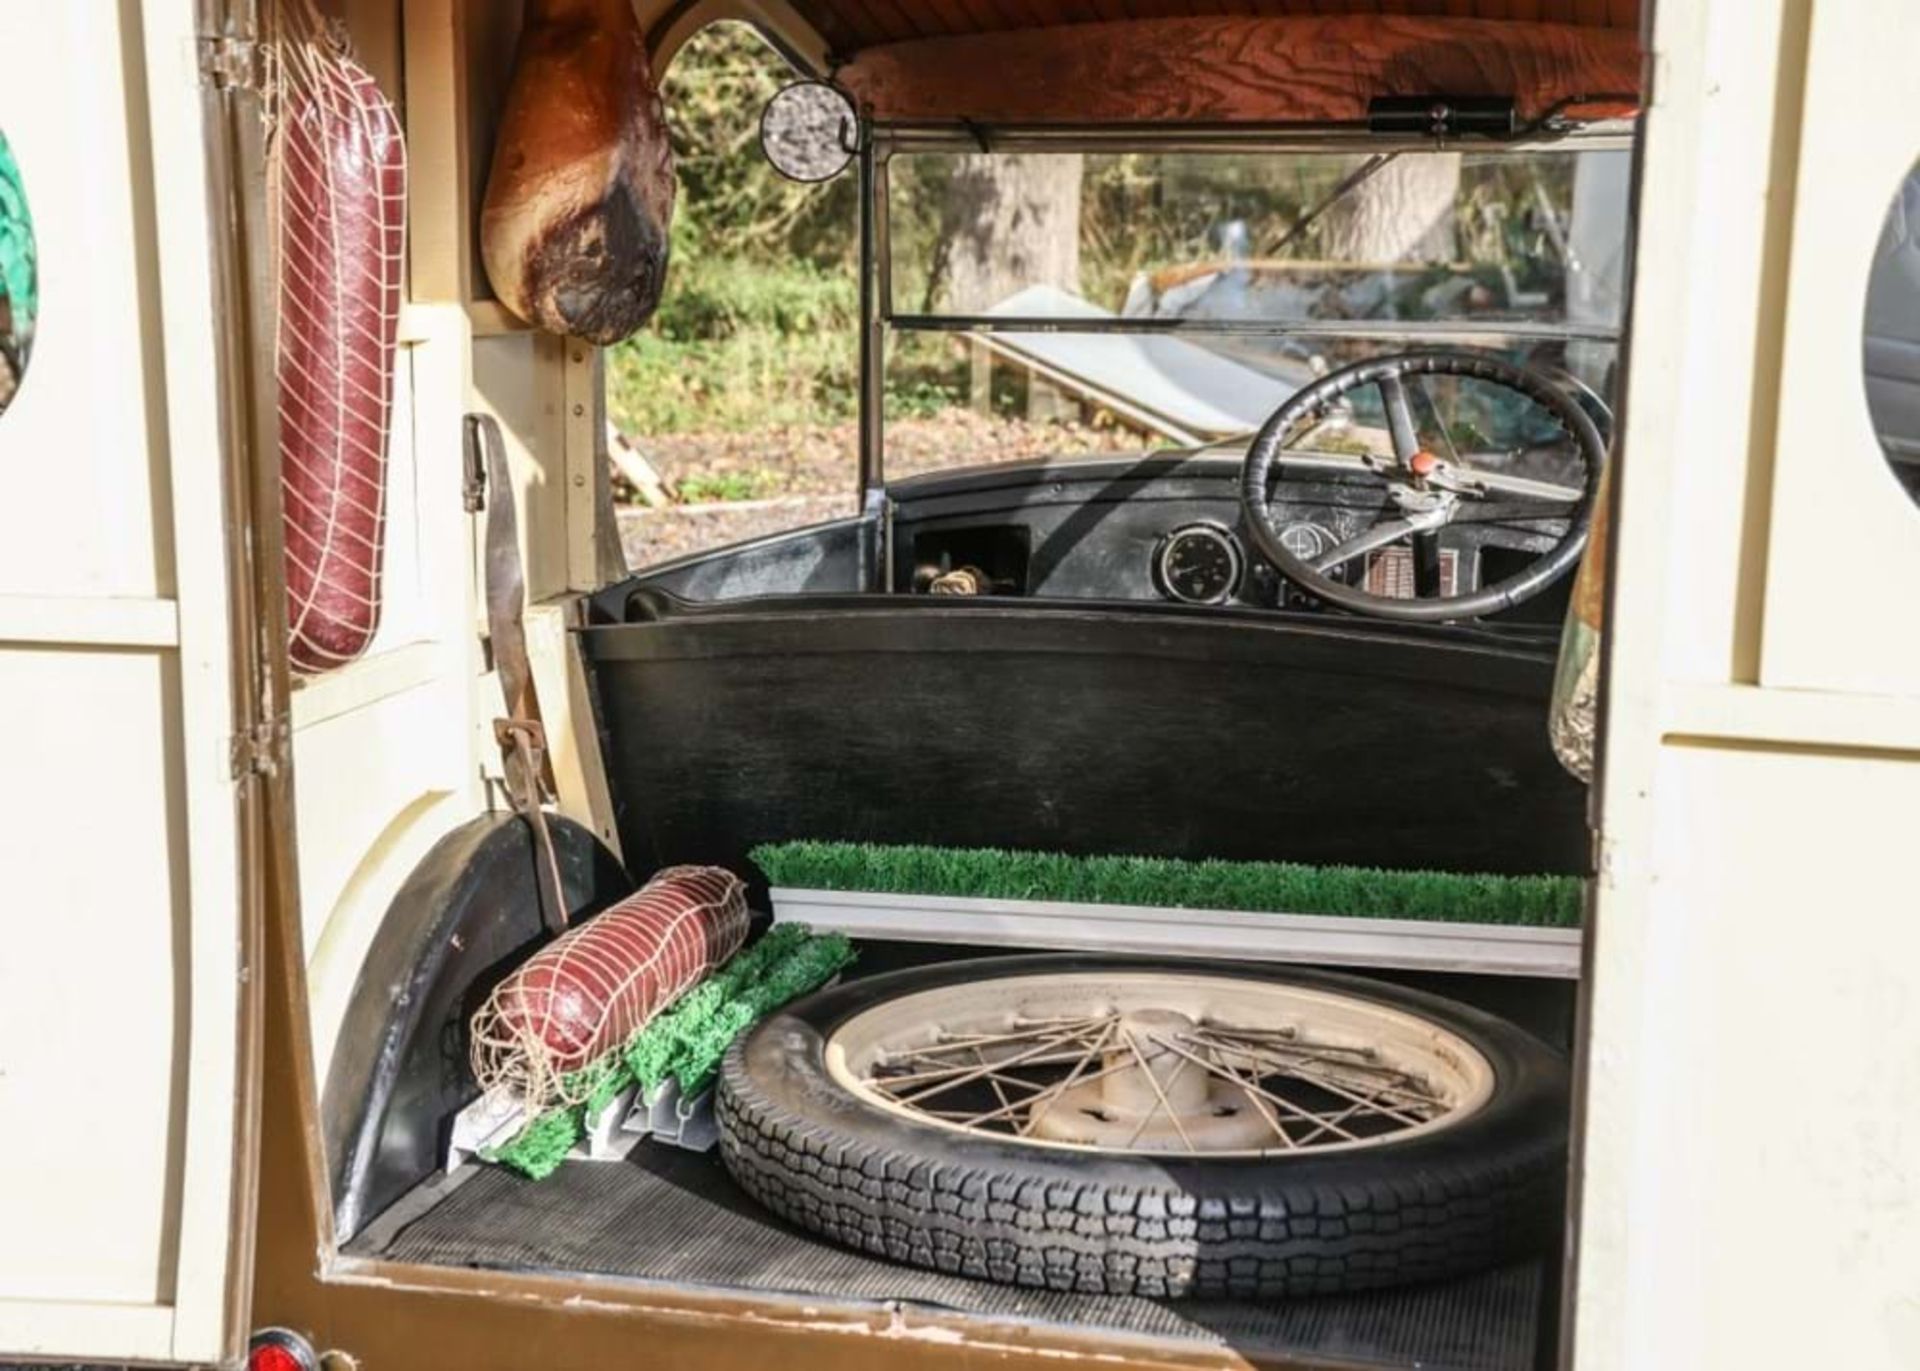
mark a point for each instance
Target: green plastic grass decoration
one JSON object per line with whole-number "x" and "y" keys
{"x": 687, "y": 1041}
{"x": 1259, "y": 887}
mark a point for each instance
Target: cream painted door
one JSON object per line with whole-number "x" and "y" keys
{"x": 123, "y": 1106}
{"x": 1841, "y": 618}
{"x": 1748, "y": 1174}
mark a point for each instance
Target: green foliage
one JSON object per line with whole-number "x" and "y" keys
{"x": 724, "y": 486}
{"x": 722, "y": 296}
{"x": 733, "y": 204}
{"x": 1262, "y": 887}
{"x": 685, "y": 1043}
{"x": 737, "y": 346}
{"x": 741, "y": 346}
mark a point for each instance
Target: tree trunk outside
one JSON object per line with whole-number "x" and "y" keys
{"x": 1404, "y": 212}
{"x": 1012, "y": 222}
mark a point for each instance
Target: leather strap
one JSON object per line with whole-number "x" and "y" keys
{"x": 520, "y": 734}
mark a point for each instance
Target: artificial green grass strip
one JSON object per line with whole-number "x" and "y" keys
{"x": 809, "y": 967}
{"x": 537, "y": 1150}
{"x": 687, "y": 1041}
{"x": 1259, "y": 887}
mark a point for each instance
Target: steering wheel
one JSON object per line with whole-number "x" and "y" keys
{"x": 1425, "y": 490}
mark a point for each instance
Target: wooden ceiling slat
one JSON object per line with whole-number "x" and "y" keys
{"x": 942, "y": 16}
{"x": 1281, "y": 68}
{"x": 864, "y": 24}
{"x": 1027, "y": 14}
{"x": 898, "y": 18}
{"x": 850, "y": 25}
{"x": 975, "y": 16}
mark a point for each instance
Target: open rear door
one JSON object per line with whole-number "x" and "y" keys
{"x": 128, "y": 771}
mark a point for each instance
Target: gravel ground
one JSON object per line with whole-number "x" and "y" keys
{"x": 787, "y": 478}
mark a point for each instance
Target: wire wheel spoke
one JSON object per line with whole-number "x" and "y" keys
{"x": 1018, "y": 1057}
{"x": 1038, "y": 1113}
{"x": 1265, "y": 1069}
{"x": 1340, "y": 1070}
{"x": 1160, "y": 1092}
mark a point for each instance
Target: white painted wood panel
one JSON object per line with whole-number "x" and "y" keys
{"x": 81, "y": 455}
{"x": 92, "y": 977}
{"x": 120, "y": 982}
{"x": 1844, "y": 552}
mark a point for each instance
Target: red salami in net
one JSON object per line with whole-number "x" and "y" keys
{"x": 589, "y": 991}
{"x": 340, "y": 181}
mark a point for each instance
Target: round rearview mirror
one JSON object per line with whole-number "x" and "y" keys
{"x": 810, "y": 131}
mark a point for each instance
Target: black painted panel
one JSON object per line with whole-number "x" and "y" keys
{"x": 1084, "y": 728}
{"x": 820, "y": 559}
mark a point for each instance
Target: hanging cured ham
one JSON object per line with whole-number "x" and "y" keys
{"x": 341, "y": 172}
{"x": 580, "y": 195}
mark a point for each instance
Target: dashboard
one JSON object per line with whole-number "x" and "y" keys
{"x": 1165, "y": 528}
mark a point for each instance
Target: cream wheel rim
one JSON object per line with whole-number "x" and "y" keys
{"x": 1160, "y": 1062}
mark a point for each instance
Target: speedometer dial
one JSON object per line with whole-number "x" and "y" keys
{"x": 1200, "y": 564}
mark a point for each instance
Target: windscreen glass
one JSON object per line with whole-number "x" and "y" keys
{"x": 1533, "y": 237}
{"x": 1176, "y": 299}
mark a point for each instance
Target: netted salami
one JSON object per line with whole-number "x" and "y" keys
{"x": 340, "y": 174}
{"x": 590, "y": 990}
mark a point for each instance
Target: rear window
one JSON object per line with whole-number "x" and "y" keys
{"x": 1892, "y": 343}
{"x": 19, "y": 276}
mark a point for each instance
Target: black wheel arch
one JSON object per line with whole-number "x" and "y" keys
{"x": 467, "y": 914}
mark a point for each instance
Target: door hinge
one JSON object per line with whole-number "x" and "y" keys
{"x": 260, "y": 750}
{"x": 227, "y": 63}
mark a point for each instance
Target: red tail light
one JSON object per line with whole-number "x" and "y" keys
{"x": 280, "y": 1349}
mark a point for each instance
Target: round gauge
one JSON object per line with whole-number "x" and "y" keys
{"x": 1200, "y": 564}
{"x": 1307, "y": 540}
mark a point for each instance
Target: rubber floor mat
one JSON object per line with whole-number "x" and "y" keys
{"x": 665, "y": 1215}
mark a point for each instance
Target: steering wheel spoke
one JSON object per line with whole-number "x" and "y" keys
{"x": 1430, "y": 486}
{"x": 1400, "y": 425}
{"x": 1437, "y": 426}
{"x": 1426, "y": 565}
{"x": 1383, "y": 534}
{"x": 1479, "y": 484}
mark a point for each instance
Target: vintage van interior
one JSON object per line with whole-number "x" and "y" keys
{"x": 997, "y": 656}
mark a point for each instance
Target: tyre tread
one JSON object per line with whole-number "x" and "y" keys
{"x": 1013, "y": 1224}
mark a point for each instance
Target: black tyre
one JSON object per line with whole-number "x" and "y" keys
{"x": 1468, "y": 1189}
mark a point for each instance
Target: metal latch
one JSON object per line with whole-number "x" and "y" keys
{"x": 1443, "y": 116}
{"x": 473, "y": 477}
{"x": 227, "y": 63}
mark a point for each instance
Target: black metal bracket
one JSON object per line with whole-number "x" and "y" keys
{"x": 1443, "y": 116}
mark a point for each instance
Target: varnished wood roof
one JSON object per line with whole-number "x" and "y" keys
{"x": 851, "y": 25}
